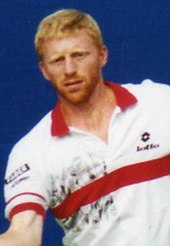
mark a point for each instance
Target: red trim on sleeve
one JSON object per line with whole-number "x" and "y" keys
{"x": 25, "y": 207}
{"x": 26, "y": 193}
{"x": 125, "y": 176}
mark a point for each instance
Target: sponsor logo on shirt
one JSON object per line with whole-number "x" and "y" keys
{"x": 145, "y": 137}
{"x": 17, "y": 173}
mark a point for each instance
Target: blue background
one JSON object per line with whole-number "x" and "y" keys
{"x": 137, "y": 33}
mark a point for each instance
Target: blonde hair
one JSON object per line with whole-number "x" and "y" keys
{"x": 64, "y": 23}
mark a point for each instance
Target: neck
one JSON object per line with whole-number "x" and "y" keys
{"x": 94, "y": 115}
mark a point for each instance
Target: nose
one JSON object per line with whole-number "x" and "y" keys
{"x": 70, "y": 66}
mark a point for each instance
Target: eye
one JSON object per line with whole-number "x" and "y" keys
{"x": 79, "y": 55}
{"x": 57, "y": 60}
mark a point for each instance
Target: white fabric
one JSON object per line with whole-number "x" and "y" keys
{"x": 136, "y": 215}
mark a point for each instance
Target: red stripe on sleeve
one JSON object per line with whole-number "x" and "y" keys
{"x": 25, "y": 207}
{"x": 26, "y": 194}
{"x": 125, "y": 176}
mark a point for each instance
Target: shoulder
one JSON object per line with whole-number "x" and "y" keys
{"x": 35, "y": 138}
{"x": 147, "y": 85}
{"x": 153, "y": 99}
{"x": 149, "y": 90}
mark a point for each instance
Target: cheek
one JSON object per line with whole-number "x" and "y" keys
{"x": 91, "y": 67}
{"x": 94, "y": 69}
{"x": 55, "y": 75}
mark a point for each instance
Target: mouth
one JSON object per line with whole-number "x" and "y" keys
{"x": 73, "y": 83}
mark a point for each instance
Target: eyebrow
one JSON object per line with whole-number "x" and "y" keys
{"x": 62, "y": 56}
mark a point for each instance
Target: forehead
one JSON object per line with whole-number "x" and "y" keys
{"x": 77, "y": 41}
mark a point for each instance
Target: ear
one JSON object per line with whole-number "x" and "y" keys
{"x": 103, "y": 56}
{"x": 44, "y": 70}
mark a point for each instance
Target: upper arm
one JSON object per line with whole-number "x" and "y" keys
{"x": 27, "y": 186}
{"x": 25, "y": 229}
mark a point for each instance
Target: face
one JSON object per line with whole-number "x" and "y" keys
{"x": 73, "y": 65}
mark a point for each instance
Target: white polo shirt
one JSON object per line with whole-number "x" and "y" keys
{"x": 101, "y": 194}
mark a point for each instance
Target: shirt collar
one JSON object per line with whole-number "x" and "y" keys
{"x": 123, "y": 97}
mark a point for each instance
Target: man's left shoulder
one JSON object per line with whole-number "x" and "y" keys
{"x": 149, "y": 88}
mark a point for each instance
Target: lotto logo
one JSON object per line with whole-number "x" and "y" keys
{"x": 145, "y": 137}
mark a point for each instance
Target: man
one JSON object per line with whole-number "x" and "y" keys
{"x": 101, "y": 159}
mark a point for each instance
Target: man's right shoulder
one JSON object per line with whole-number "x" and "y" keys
{"x": 36, "y": 136}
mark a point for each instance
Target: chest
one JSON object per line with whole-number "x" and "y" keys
{"x": 83, "y": 158}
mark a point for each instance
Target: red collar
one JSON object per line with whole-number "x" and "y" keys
{"x": 124, "y": 100}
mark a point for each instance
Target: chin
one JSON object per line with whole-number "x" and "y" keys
{"x": 77, "y": 99}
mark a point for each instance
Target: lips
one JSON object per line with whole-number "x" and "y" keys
{"x": 73, "y": 83}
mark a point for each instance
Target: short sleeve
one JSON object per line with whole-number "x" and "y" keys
{"x": 26, "y": 183}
